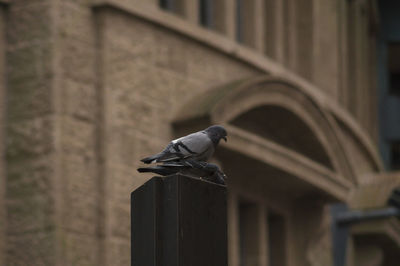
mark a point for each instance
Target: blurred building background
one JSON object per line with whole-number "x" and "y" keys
{"x": 307, "y": 89}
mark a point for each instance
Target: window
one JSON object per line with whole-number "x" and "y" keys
{"x": 395, "y": 83}
{"x": 276, "y": 239}
{"x": 249, "y": 16}
{"x": 394, "y": 68}
{"x": 173, "y": 6}
{"x": 262, "y": 235}
{"x": 206, "y": 13}
{"x": 239, "y": 21}
{"x": 389, "y": 83}
{"x": 212, "y": 15}
{"x": 248, "y": 233}
{"x": 395, "y": 155}
{"x": 167, "y": 4}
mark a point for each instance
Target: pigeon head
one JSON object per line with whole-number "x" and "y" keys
{"x": 216, "y": 133}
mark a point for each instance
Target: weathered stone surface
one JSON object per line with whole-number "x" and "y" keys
{"x": 30, "y": 213}
{"x": 165, "y": 56}
{"x": 120, "y": 220}
{"x": 31, "y": 178}
{"x": 326, "y": 39}
{"x": 140, "y": 94}
{"x": 81, "y": 213}
{"x": 3, "y": 218}
{"x": 83, "y": 3}
{"x": 320, "y": 245}
{"x": 122, "y": 181}
{"x": 122, "y": 145}
{"x": 30, "y": 203}
{"x": 80, "y": 174}
{"x": 120, "y": 252}
{"x": 210, "y": 67}
{"x": 79, "y": 99}
{"x": 24, "y": 3}
{"x": 134, "y": 79}
{"x": 29, "y": 138}
{"x": 81, "y": 249}
{"x": 302, "y": 33}
{"x": 151, "y": 45}
{"x": 76, "y": 21}
{"x": 29, "y": 146}
{"x": 361, "y": 162}
{"x": 29, "y": 62}
{"x": 36, "y": 248}
{"x": 29, "y": 98}
{"x": 138, "y": 40}
{"x": 78, "y": 60}
{"x": 188, "y": 59}
{"x": 374, "y": 191}
{"x": 30, "y": 23}
{"x": 78, "y": 138}
{"x": 135, "y": 113}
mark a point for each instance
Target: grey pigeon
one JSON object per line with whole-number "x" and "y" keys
{"x": 199, "y": 146}
{"x": 189, "y": 167}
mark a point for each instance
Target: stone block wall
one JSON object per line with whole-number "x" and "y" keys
{"x": 30, "y": 149}
{"x": 90, "y": 90}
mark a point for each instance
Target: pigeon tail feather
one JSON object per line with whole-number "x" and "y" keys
{"x": 157, "y": 170}
{"x": 150, "y": 159}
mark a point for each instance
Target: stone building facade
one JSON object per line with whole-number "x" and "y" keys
{"x": 88, "y": 87}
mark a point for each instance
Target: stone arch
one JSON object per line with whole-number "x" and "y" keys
{"x": 293, "y": 175}
{"x": 268, "y": 102}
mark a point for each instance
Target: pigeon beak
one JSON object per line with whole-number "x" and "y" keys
{"x": 225, "y": 139}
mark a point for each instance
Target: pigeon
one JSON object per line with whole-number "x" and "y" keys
{"x": 188, "y": 167}
{"x": 199, "y": 146}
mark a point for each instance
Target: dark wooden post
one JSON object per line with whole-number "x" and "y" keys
{"x": 179, "y": 221}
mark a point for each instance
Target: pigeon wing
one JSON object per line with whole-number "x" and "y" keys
{"x": 197, "y": 146}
